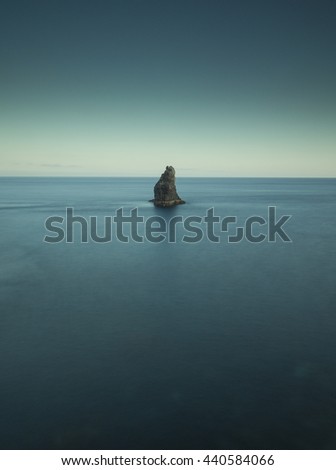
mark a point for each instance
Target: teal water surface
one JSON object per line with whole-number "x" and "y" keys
{"x": 167, "y": 345}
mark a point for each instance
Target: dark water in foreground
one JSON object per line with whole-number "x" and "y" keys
{"x": 168, "y": 346}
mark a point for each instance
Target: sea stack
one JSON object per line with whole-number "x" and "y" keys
{"x": 165, "y": 194}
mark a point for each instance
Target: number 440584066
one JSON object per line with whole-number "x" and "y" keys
{"x": 233, "y": 459}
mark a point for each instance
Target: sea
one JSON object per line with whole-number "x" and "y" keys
{"x": 168, "y": 343}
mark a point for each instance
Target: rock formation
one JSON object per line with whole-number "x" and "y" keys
{"x": 165, "y": 194}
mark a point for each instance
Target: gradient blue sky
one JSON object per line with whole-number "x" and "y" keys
{"x": 124, "y": 87}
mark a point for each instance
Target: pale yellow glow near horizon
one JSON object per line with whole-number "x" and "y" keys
{"x": 227, "y": 146}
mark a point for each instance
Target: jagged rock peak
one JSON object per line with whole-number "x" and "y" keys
{"x": 165, "y": 194}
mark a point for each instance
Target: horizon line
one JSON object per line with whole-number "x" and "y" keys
{"x": 155, "y": 176}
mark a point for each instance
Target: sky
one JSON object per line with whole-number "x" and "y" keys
{"x": 126, "y": 87}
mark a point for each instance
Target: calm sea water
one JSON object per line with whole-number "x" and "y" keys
{"x": 170, "y": 345}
